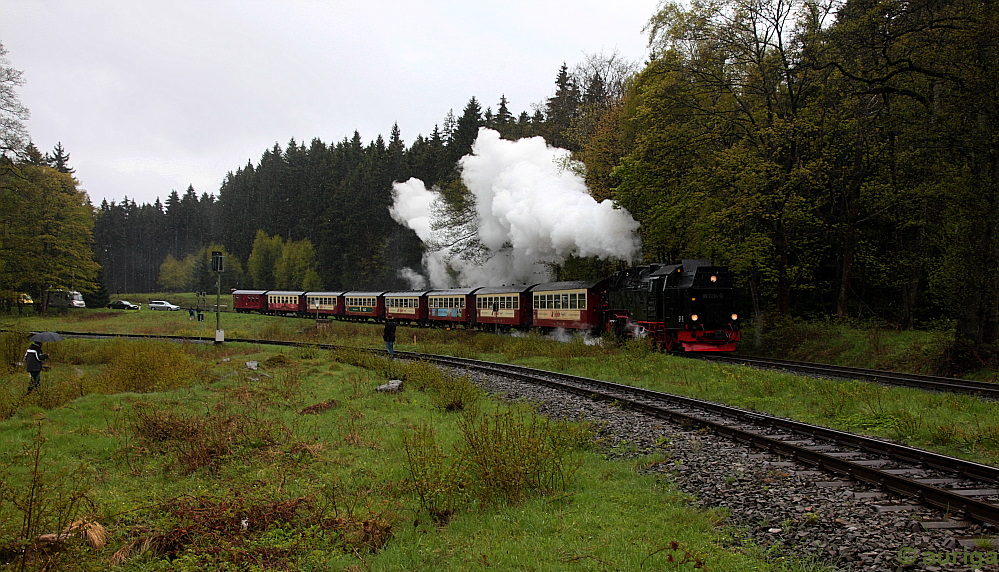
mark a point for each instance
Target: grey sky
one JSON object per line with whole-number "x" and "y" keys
{"x": 150, "y": 97}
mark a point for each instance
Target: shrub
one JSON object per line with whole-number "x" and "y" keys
{"x": 147, "y": 366}
{"x": 12, "y": 346}
{"x": 504, "y": 458}
{"x": 47, "y": 502}
{"x": 201, "y": 441}
{"x": 514, "y": 454}
{"x": 437, "y": 478}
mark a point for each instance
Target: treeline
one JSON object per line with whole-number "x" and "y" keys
{"x": 46, "y": 224}
{"x": 317, "y": 216}
{"x": 841, "y": 157}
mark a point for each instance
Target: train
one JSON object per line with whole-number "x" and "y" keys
{"x": 686, "y": 306}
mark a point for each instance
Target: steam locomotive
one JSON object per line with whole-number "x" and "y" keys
{"x": 686, "y": 306}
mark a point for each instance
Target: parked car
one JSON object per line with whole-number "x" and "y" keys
{"x": 123, "y": 305}
{"x": 163, "y": 305}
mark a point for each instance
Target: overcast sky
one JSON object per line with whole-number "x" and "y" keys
{"x": 150, "y": 97}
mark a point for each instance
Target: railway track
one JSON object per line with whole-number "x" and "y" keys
{"x": 982, "y": 389}
{"x": 951, "y": 484}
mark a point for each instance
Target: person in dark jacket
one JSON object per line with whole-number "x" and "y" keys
{"x": 33, "y": 359}
{"x": 389, "y": 336}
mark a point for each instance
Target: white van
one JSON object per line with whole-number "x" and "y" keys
{"x": 65, "y": 299}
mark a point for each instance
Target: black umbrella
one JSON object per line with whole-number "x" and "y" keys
{"x": 46, "y": 337}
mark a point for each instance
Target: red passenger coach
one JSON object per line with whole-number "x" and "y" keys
{"x": 283, "y": 302}
{"x": 407, "y": 307}
{"x": 324, "y": 303}
{"x": 364, "y": 305}
{"x": 505, "y": 307}
{"x": 571, "y": 305}
{"x": 451, "y": 307}
{"x": 249, "y": 300}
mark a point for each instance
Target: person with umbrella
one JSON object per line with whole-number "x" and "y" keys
{"x": 34, "y": 357}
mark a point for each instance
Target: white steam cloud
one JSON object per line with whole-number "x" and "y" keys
{"x": 530, "y": 212}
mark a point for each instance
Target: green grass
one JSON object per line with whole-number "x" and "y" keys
{"x": 244, "y": 438}
{"x": 303, "y": 465}
{"x": 916, "y": 351}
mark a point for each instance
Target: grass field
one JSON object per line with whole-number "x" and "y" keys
{"x": 159, "y": 455}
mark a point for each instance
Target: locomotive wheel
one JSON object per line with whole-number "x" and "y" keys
{"x": 667, "y": 345}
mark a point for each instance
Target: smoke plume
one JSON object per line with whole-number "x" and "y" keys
{"x": 530, "y": 211}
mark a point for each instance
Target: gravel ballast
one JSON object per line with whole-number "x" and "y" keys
{"x": 780, "y": 506}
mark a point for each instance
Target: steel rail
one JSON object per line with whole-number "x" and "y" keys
{"x": 928, "y": 382}
{"x": 922, "y": 492}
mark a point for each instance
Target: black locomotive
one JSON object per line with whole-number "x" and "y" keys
{"x": 688, "y": 306}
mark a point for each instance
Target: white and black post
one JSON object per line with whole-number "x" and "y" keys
{"x": 218, "y": 267}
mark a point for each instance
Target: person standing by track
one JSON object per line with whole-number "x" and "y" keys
{"x": 389, "y": 336}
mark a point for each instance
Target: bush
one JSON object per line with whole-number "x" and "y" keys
{"x": 514, "y": 454}
{"x": 147, "y": 366}
{"x": 504, "y": 458}
{"x": 12, "y": 346}
{"x": 201, "y": 441}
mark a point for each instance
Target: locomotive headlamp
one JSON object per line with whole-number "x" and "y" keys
{"x": 735, "y": 317}
{"x": 693, "y": 317}
{"x": 714, "y": 278}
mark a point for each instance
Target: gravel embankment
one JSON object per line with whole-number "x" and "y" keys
{"x": 773, "y": 503}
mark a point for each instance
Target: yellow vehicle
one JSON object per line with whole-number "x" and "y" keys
{"x": 22, "y": 298}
